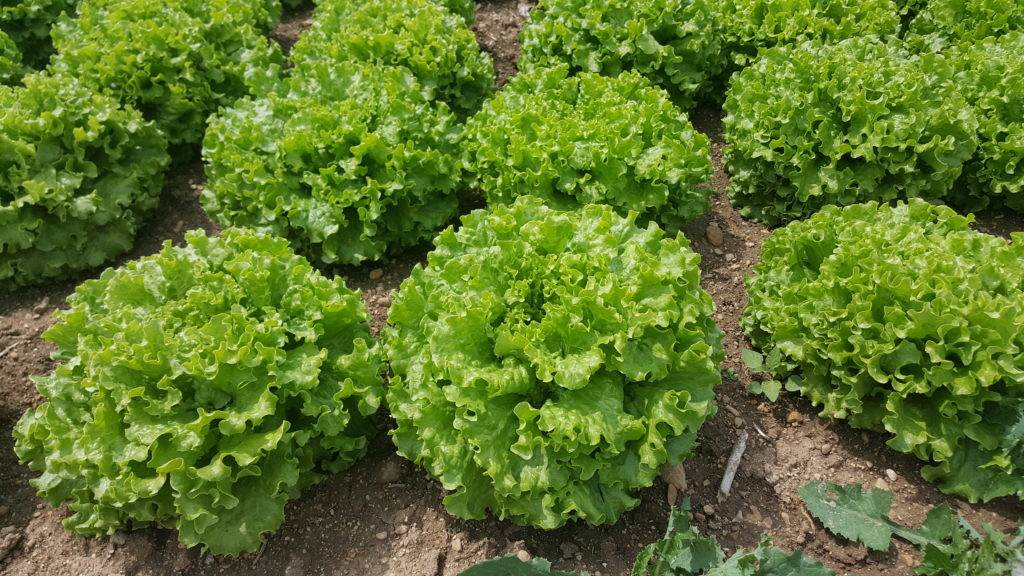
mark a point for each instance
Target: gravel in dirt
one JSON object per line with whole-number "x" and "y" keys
{"x": 384, "y": 516}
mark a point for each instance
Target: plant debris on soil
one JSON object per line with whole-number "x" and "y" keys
{"x": 384, "y": 515}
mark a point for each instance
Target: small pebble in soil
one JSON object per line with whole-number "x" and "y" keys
{"x": 523, "y": 556}
{"x": 881, "y": 484}
{"x": 794, "y": 418}
{"x": 891, "y": 474}
{"x": 729, "y": 256}
{"x": 390, "y": 471}
{"x": 699, "y": 517}
{"x": 714, "y": 234}
{"x": 376, "y": 274}
{"x": 826, "y": 449}
{"x": 381, "y": 535}
{"x": 401, "y": 529}
{"x": 718, "y": 251}
{"x": 709, "y": 509}
{"x": 456, "y": 544}
{"x": 739, "y": 422}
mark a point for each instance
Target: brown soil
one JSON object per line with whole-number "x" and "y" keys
{"x": 384, "y": 516}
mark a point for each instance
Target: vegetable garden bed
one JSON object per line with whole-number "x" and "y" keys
{"x": 384, "y": 515}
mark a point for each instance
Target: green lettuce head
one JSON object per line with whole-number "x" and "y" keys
{"x": 200, "y": 389}
{"x": 547, "y": 364}
{"x": 575, "y": 140}
{"x": 994, "y": 69}
{"x": 79, "y": 173}
{"x": 813, "y": 124}
{"x": 676, "y": 44}
{"x": 903, "y": 319}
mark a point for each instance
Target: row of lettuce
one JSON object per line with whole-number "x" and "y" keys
{"x": 553, "y": 354}
{"x": 812, "y": 116}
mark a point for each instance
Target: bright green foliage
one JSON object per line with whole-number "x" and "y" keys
{"x": 547, "y": 364}
{"x": 512, "y": 566}
{"x": 200, "y": 389}
{"x": 812, "y": 124}
{"x": 750, "y": 25}
{"x": 352, "y": 163}
{"x": 903, "y": 319}
{"x": 422, "y": 36}
{"x": 949, "y": 545}
{"x": 675, "y": 43}
{"x": 684, "y": 552}
{"x": 175, "y": 60}
{"x": 78, "y": 174}
{"x": 942, "y": 23}
{"x": 995, "y": 86}
{"x": 586, "y": 139}
{"x": 28, "y": 23}
{"x": 11, "y": 69}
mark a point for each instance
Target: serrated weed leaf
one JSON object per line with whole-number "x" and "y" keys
{"x": 851, "y": 513}
{"x": 512, "y": 566}
{"x": 949, "y": 546}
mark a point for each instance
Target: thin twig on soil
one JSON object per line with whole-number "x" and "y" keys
{"x": 732, "y": 466}
{"x": 11, "y": 347}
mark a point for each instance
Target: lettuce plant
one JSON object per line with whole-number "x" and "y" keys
{"x": 28, "y": 23}
{"x": 200, "y": 389}
{"x": 994, "y": 68}
{"x": 814, "y": 124}
{"x": 675, "y": 43}
{"x": 176, "y": 61}
{"x": 547, "y": 364}
{"x": 586, "y": 139}
{"x": 751, "y": 25}
{"x": 78, "y": 174}
{"x": 943, "y": 23}
{"x": 422, "y": 36}
{"x": 11, "y": 69}
{"x": 903, "y": 319}
{"x": 351, "y": 163}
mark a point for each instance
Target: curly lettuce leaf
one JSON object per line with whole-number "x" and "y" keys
{"x": 901, "y": 318}
{"x": 79, "y": 173}
{"x": 28, "y": 23}
{"x": 676, "y": 44}
{"x": 994, "y": 73}
{"x": 201, "y": 389}
{"x": 815, "y": 124}
{"x": 548, "y": 364}
{"x": 176, "y": 61}
{"x": 11, "y": 69}
{"x": 576, "y": 140}
{"x": 941, "y": 24}
{"x": 751, "y": 25}
{"x": 350, "y": 164}
{"x": 421, "y": 36}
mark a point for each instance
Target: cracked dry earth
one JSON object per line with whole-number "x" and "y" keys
{"x": 384, "y": 516}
